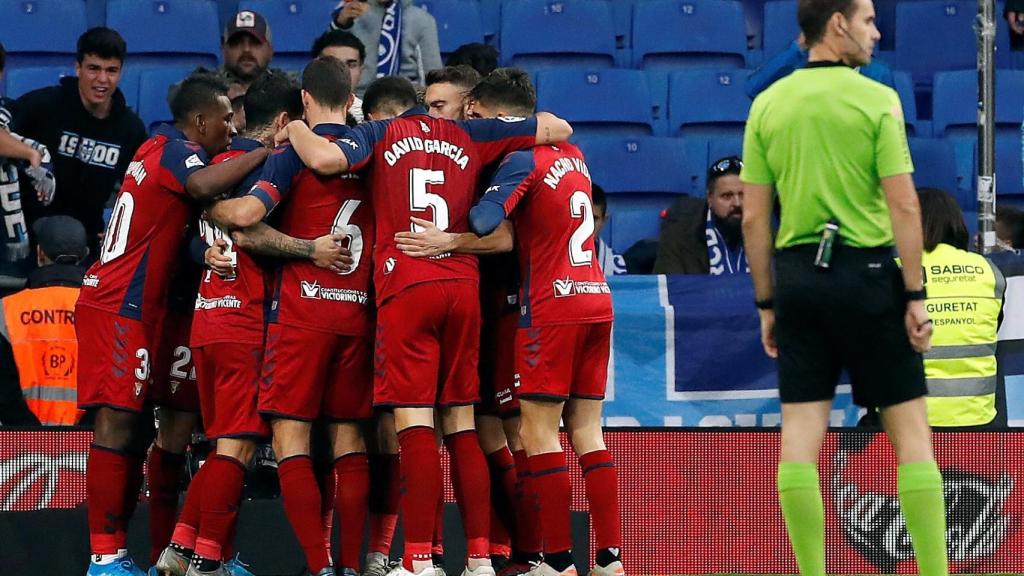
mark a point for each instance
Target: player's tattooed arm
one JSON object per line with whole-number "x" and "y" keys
{"x": 326, "y": 251}
{"x": 551, "y": 129}
{"x": 316, "y": 152}
{"x": 432, "y": 241}
{"x": 218, "y": 179}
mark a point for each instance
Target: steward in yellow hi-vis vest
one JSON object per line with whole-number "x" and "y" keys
{"x": 965, "y": 299}
{"x": 37, "y": 331}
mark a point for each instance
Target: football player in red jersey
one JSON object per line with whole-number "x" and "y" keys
{"x": 227, "y": 345}
{"x": 319, "y": 343}
{"x": 563, "y": 341}
{"x": 124, "y": 296}
{"x": 428, "y": 324}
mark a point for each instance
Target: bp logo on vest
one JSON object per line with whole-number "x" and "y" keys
{"x": 58, "y": 362}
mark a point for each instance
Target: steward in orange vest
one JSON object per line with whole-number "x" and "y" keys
{"x": 38, "y": 347}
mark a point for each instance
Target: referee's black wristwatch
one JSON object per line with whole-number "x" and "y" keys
{"x": 766, "y": 304}
{"x": 912, "y": 295}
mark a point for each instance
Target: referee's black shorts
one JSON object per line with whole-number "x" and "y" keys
{"x": 848, "y": 317}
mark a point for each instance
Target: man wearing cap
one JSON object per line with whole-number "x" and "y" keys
{"x": 38, "y": 347}
{"x": 246, "y": 48}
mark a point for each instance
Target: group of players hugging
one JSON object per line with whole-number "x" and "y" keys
{"x": 392, "y": 286}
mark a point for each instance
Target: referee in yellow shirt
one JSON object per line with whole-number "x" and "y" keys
{"x": 832, "y": 144}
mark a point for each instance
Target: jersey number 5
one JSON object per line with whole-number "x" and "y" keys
{"x": 420, "y": 199}
{"x": 580, "y": 207}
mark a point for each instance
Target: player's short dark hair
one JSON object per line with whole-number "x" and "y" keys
{"x": 270, "y": 94}
{"x": 3, "y": 57}
{"x": 813, "y": 16}
{"x": 479, "y": 57}
{"x": 327, "y": 80}
{"x": 1012, "y": 218}
{"x": 462, "y": 76}
{"x": 507, "y": 88}
{"x": 101, "y": 42}
{"x": 390, "y": 93}
{"x": 197, "y": 91}
{"x": 942, "y": 221}
{"x": 598, "y": 197}
{"x": 338, "y": 38}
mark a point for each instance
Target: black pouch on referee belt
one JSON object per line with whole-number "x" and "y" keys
{"x": 827, "y": 244}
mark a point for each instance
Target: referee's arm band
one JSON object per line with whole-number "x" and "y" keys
{"x": 766, "y": 304}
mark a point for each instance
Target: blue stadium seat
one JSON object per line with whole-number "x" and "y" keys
{"x": 490, "y": 18}
{"x": 41, "y": 32}
{"x": 598, "y": 102}
{"x": 1009, "y": 167}
{"x": 538, "y": 33}
{"x": 702, "y": 152}
{"x": 22, "y": 80}
{"x": 458, "y": 22}
{"x": 294, "y": 24}
{"x": 936, "y": 35}
{"x": 935, "y": 167}
{"x": 955, "y": 97}
{"x": 780, "y": 26}
{"x": 688, "y": 34}
{"x": 168, "y": 32}
{"x": 905, "y": 89}
{"x": 707, "y": 102}
{"x": 633, "y": 173}
{"x": 153, "y": 87}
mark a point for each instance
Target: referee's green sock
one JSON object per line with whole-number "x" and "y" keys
{"x": 800, "y": 497}
{"x": 920, "y": 490}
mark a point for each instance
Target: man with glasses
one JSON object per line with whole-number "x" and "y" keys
{"x": 705, "y": 237}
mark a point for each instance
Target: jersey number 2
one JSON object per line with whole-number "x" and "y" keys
{"x": 420, "y": 199}
{"x": 580, "y": 207}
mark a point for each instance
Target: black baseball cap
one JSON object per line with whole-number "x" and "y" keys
{"x": 62, "y": 239}
{"x": 248, "y": 22}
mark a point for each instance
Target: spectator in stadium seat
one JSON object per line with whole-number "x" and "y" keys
{"x": 88, "y": 128}
{"x": 1009, "y": 228}
{"x": 965, "y": 300}
{"x": 479, "y": 57}
{"x": 1013, "y": 11}
{"x": 246, "y": 48}
{"x": 705, "y": 237}
{"x": 610, "y": 262}
{"x": 350, "y": 50}
{"x": 784, "y": 63}
{"x": 417, "y": 51}
{"x": 448, "y": 90}
{"x": 38, "y": 346}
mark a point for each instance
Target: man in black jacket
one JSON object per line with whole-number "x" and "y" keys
{"x": 89, "y": 130}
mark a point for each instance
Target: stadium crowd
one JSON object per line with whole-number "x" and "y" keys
{"x": 247, "y": 270}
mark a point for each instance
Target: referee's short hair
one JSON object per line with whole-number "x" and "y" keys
{"x": 942, "y": 221}
{"x": 813, "y": 16}
{"x": 196, "y": 92}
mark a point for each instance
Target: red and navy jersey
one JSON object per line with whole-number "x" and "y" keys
{"x": 231, "y": 309}
{"x": 546, "y": 192}
{"x": 428, "y": 168}
{"x": 309, "y": 206}
{"x": 146, "y": 234}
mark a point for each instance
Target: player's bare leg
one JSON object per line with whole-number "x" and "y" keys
{"x": 803, "y": 431}
{"x": 583, "y": 425}
{"x": 174, "y": 433}
{"x": 352, "y": 473}
{"x": 550, "y": 477}
{"x": 471, "y": 483}
{"x": 384, "y": 493}
{"x": 919, "y": 484}
{"x": 299, "y": 490}
{"x": 420, "y": 466}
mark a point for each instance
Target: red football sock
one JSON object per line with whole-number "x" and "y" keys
{"x": 353, "y": 492}
{"x": 218, "y": 506}
{"x": 437, "y": 542}
{"x": 105, "y": 484}
{"x": 385, "y": 492}
{"x": 187, "y": 528}
{"x": 503, "y": 489}
{"x": 603, "y": 496}
{"x": 163, "y": 471}
{"x": 527, "y": 537}
{"x": 328, "y": 485}
{"x": 421, "y": 475}
{"x": 135, "y": 478}
{"x": 469, "y": 474}
{"x": 302, "y": 506}
{"x": 551, "y": 481}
